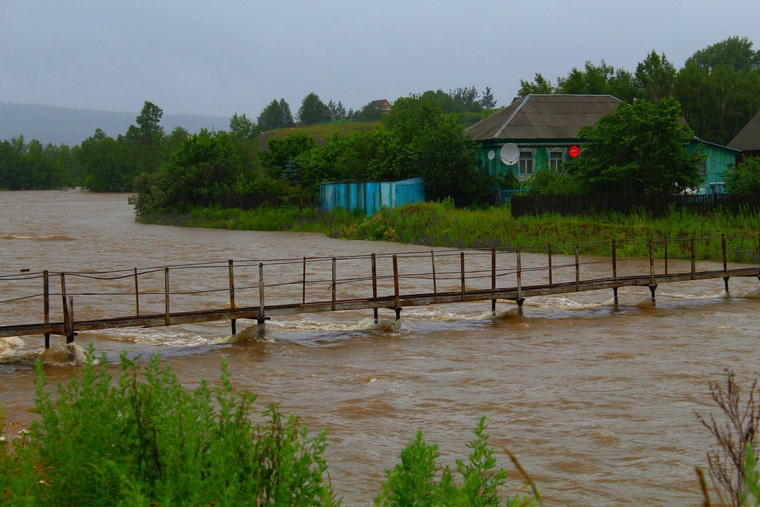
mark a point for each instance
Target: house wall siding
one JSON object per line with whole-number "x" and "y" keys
{"x": 718, "y": 159}
{"x": 495, "y": 167}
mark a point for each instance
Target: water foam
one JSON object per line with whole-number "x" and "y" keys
{"x": 11, "y": 349}
{"x": 63, "y": 354}
{"x": 251, "y": 333}
{"x": 38, "y": 238}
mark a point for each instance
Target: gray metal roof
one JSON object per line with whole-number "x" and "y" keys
{"x": 748, "y": 138}
{"x": 544, "y": 117}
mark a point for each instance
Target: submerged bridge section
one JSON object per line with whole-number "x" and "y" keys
{"x": 263, "y": 289}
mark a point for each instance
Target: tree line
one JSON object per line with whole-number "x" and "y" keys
{"x": 111, "y": 164}
{"x": 417, "y": 137}
{"x": 718, "y": 87}
{"x": 467, "y": 102}
{"x": 422, "y": 135}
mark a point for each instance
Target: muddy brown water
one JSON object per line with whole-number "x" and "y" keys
{"x": 596, "y": 401}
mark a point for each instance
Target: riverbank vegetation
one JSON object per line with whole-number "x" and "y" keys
{"x": 441, "y": 224}
{"x": 144, "y": 439}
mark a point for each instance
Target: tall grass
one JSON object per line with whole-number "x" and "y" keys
{"x": 440, "y": 224}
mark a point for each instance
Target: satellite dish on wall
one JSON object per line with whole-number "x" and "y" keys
{"x": 509, "y": 154}
{"x": 491, "y": 155}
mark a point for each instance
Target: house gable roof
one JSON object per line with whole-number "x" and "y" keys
{"x": 748, "y": 138}
{"x": 544, "y": 117}
{"x": 381, "y": 103}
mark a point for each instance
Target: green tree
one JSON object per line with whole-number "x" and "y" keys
{"x": 337, "y": 111}
{"x": 176, "y": 137}
{"x": 287, "y": 116}
{"x": 275, "y": 115}
{"x": 539, "y": 85}
{"x": 655, "y": 77}
{"x": 13, "y": 174}
{"x": 205, "y": 164}
{"x": 245, "y": 134}
{"x": 637, "y": 149}
{"x": 279, "y": 151}
{"x": 312, "y": 110}
{"x": 148, "y": 130}
{"x": 243, "y": 129}
{"x": 486, "y": 100}
{"x": 744, "y": 178}
{"x": 146, "y": 141}
{"x": 734, "y": 52}
{"x": 719, "y": 89}
{"x": 467, "y": 96}
{"x": 443, "y": 155}
{"x": 591, "y": 80}
{"x": 108, "y": 164}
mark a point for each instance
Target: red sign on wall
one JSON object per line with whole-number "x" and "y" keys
{"x": 574, "y": 151}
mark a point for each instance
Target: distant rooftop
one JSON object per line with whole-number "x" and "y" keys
{"x": 544, "y": 117}
{"x": 748, "y": 138}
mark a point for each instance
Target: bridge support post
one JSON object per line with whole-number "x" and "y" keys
{"x": 69, "y": 321}
{"x": 652, "y": 289}
{"x": 232, "y": 293}
{"x": 615, "y": 296}
{"x": 398, "y": 313}
{"x": 520, "y": 302}
{"x": 374, "y": 286}
{"x": 725, "y": 282}
{"x": 46, "y": 303}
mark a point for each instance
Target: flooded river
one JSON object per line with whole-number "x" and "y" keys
{"x": 597, "y": 402}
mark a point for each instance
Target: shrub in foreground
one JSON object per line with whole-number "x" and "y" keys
{"x": 148, "y": 439}
{"x": 419, "y": 480}
{"x": 144, "y": 439}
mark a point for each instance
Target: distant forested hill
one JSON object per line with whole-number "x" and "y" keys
{"x": 61, "y": 125}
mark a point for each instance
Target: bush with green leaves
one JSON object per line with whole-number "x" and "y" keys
{"x": 146, "y": 439}
{"x": 744, "y": 178}
{"x": 419, "y": 480}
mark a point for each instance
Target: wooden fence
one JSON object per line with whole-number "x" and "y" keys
{"x": 656, "y": 205}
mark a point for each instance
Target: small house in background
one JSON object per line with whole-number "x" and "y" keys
{"x": 717, "y": 159}
{"x": 370, "y": 196}
{"x": 382, "y": 106}
{"x": 748, "y": 140}
{"x": 537, "y": 132}
{"x": 540, "y": 132}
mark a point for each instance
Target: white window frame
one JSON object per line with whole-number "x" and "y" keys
{"x": 523, "y": 171}
{"x": 561, "y": 160}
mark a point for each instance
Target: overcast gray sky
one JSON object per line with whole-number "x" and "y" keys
{"x": 218, "y": 57}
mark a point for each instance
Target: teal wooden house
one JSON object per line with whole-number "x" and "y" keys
{"x": 540, "y": 132}
{"x": 716, "y": 160}
{"x": 537, "y": 132}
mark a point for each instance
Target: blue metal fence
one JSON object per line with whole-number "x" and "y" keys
{"x": 370, "y": 196}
